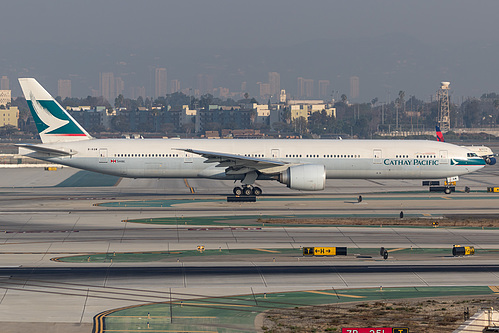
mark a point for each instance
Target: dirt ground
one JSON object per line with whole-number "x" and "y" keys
{"x": 419, "y": 315}
{"x": 446, "y": 221}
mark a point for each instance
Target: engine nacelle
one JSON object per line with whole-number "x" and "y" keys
{"x": 307, "y": 177}
{"x": 490, "y": 160}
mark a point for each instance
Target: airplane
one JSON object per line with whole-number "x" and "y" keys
{"x": 482, "y": 151}
{"x": 299, "y": 164}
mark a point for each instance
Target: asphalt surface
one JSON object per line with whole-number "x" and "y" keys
{"x": 40, "y": 220}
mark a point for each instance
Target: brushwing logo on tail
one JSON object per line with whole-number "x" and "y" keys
{"x": 46, "y": 117}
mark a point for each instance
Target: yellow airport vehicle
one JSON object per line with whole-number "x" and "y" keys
{"x": 50, "y": 168}
{"x": 458, "y": 250}
{"x": 324, "y": 251}
{"x": 493, "y": 189}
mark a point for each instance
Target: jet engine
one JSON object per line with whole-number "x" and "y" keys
{"x": 306, "y": 177}
{"x": 490, "y": 160}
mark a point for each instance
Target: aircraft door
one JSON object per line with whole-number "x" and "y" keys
{"x": 103, "y": 155}
{"x": 377, "y": 156}
{"x": 444, "y": 157}
{"x": 275, "y": 153}
{"x": 188, "y": 157}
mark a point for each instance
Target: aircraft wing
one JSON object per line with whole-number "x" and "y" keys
{"x": 46, "y": 150}
{"x": 237, "y": 164}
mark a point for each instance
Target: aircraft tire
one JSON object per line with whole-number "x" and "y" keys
{"x": 247, "y": 191}
{"x": 257, "y": 191}
{"x": 237, "y": 191}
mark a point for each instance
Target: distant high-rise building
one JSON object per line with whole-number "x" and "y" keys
{"x": 64, "y": 89}
{"x": 120, "y": 86}
{"x": 223, "y": 92}
{"x": 107, "y": 87}
{"x": 205, "y": 83}
{"x": 324, "y": 88}
{"x": 354, "y": 87}
{"x": 4, "y": 83}
{"x": 160, "y": 80}
{"x": 300, "y": 87}
{"x": 309, "y": 87}
{"x": 174, "y": 86}
{"x": 264, "y": 90}
{"x": 243, "y": 86}
{"x": 275, "y": 83}
{"x": 305, "y": 87}
{"x": 135, "y": 92}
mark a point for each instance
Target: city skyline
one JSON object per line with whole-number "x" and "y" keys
{"x": 389, "y": 50}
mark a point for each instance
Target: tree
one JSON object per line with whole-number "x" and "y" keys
{"x": 119, "y": 101}
{"x": 344, "y": 98}
{"x": 300, "y": 125}
{"x": 253, "y": 116}
{"x": 471, "y": 116}
{"x": 286, "y": 115}
{"x": 140, "y": 101}
{"x": 281, "y": 127}
{"x": 188, "y": 128}
{"x": 399, "y": 101}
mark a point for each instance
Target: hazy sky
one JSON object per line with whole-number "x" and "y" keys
{"x": 58, "y": 39}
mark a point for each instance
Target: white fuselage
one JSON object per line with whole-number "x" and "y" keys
{"x": 349, "y": 159}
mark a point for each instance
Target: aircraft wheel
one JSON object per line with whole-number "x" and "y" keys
{"x": 257, "y": 191}
{"x": 447, "y": 190}
{"x": 247, "y": 191}
{"x": 237, "y": 191}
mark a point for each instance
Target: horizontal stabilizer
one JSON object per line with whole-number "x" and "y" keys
{"x": 46, "y": 150}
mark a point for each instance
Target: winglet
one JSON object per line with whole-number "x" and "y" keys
{"x": 54, "y": 124}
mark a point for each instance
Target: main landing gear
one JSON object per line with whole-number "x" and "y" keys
{"x": 247, "y": 190}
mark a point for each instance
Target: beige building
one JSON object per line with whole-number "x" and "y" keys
{"x": 304, "y": 108}
{"x": 9, "y": 116}
{"x": 298, "y": 110}
{"x": 5, "y": 97}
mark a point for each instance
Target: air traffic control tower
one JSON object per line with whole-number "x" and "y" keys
{"x": 443, "y": 107}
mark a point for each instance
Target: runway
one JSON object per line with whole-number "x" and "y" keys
{"x": 40, "y": 221}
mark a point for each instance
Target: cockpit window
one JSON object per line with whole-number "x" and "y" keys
{"x": 472, "y": 155}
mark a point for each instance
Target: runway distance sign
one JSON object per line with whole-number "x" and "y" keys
{"x": 375, "y": 330}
